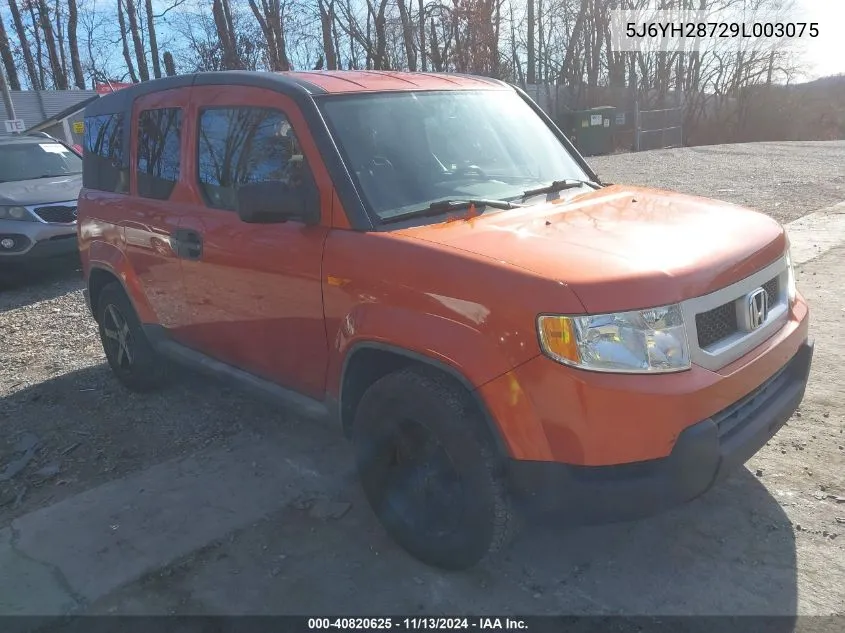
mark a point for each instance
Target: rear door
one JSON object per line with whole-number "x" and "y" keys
{"x": 255, "y": 289}
{"x": 159, "y": 198}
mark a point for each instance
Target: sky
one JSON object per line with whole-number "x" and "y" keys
{"x": 824, "y": 55}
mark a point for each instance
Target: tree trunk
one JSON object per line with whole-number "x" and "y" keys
{"x": 127, "y": 56}
{"x": 8, "y": 60}
{"x": 423, "y": 62}
{"x": 532, "y": 72}
{"x": 151, "y": 34}
{"x": 566, "y": 74}
{"x": 29, "y": 62}
{"x": 140, "y": 54}
{"x": 59, "y": 80}
{"x": 36, "y": 30}
{"x": 225, "y": 33}
{"x": 169, "y": 64}
{"x": 326, "y": 23}
{"x": 271, "y": 20}
{"x": 73, "y": 43}
{"x": 381, "y": 38}
{"x": 408, "y": 35}
{"x": 60, "y": 43}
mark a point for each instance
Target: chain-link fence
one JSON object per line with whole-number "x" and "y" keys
{"x": 656, "y": 129}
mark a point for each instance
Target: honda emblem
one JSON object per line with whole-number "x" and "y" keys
{"x": 758, "y": 308}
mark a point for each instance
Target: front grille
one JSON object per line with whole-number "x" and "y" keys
{"x": 716, "y": 324}
{"x": 732, "y": 419}
{"x": 719, "y": 323}
{"x": 63, "y": 214}
{"x": 771, "y": 288}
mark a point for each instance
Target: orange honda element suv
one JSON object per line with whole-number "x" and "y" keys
{"x": 427, "y": 260}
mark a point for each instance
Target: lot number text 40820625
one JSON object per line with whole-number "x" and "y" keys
{"x": 417, "y": 623}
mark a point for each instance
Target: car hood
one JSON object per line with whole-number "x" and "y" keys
{"x": 40, "y": 190}
{"x": 622, "y": 247}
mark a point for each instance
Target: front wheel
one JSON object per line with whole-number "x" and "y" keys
{"x": 429, "y": 471}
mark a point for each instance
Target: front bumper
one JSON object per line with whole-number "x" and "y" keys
{"x": 703, "y": 454}
{"x": 36, "y": 241}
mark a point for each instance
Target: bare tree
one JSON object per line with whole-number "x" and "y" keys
{"x": 59, "y": 78}
{"x": 226, "y": 33}
{"x": 270, "y": 16}
{"x": 169, "y": 64}
{"x": 327, "y": 20}
{"x": 73, "y": 44}
{"x": 408, "y": 35}
{"x": 26, "y": 51}
{"x": 151, "y": 36}
{"x": 8, "y": 60}
{"x": 532, "y": 73}
{"x": 137, "y": 41}
{"x": 127, "y": 56}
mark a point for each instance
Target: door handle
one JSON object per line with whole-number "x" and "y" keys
{"x": 186, "y": 243}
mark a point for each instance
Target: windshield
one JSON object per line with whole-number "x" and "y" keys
{"x": 410, "y": 149}
{"x": 28, "y": 161}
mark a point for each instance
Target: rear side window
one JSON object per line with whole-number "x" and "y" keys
{"x": 104, "y": 159}
{"x": 159, "y": 133}
{"x": 246, "y": 145}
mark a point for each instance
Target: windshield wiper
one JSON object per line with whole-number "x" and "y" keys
{"x": 443, "y": 206}
{"x": 558, "y": 185}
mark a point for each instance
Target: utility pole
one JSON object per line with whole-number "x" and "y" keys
{"x": 7, "y": 96}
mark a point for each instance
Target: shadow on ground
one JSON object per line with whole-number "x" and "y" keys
{"x": 731, "y": 552}
{"x": 35, "y": 283}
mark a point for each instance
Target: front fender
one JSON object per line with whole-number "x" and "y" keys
{"x": 469, "y": 352}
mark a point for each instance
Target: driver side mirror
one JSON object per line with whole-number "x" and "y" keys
{"x": 274, "y": 201}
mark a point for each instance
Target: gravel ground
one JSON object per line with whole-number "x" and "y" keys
{"x": 55, "y": 386}
{"x": 784, "y": 180}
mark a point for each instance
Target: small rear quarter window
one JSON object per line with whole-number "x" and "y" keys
{"x": 104, "y": 164}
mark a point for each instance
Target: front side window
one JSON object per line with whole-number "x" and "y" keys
{"x": 410, "y": 149}
{"x": 159, "y": 133}
{"x": 245, "y": 145}
{"x": 103, "y": 154}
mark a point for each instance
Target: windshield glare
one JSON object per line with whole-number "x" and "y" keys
{"x": 29, "y": 161}
{"x": 410, "y": 149}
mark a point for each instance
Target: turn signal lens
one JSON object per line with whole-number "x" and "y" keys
{"x": 557, "y": 334}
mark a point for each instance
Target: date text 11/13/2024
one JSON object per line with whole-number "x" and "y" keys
{"x": 417, "y": 623}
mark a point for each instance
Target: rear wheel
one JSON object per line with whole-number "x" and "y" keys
{"x": 429, "y": 470}
{"x": 128, "y": 351}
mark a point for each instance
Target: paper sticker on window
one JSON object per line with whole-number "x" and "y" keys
{"x": 607, "y": 123}
{"x": 53, "y": 148}
{"x": 595, "y": 119}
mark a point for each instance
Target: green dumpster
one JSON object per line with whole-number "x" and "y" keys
{"x": 591, "y": 131}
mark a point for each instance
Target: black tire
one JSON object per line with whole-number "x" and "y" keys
{"x": 136, "y": 364}
{"x": 425, "y": 413}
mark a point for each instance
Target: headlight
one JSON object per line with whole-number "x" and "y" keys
{"x": 640, "y": 341}
{"x": 791, "y": 288}
{"x": 16, "y": 213}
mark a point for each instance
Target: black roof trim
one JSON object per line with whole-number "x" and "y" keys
{"x": 121, "y": 100}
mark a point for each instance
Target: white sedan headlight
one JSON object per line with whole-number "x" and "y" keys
{"x": 21, "y": 214}
{"x": 640, "y": 341}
